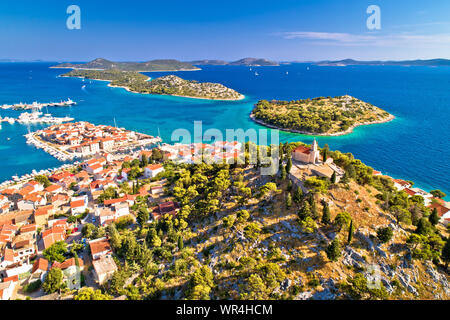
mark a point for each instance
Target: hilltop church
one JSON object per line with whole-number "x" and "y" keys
{"x": 307, "y": 155}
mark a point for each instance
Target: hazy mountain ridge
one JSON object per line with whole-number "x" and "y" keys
{"x": 418, "y": 62}
{"x": 147, "y": 66}
{"x": 240, "y": 62}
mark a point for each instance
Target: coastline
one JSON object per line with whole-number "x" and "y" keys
{"x": 342, "y": 133}
{"x": 241, "y": 96}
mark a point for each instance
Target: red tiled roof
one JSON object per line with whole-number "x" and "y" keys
{"x": 303, "y": 149}
{"x": 40, "y": 264}
{"x": 68, "y": 263}
{"x": 28, "y": 228}
{"x": 13, "y": 278}
{"x": 409, "y": 191}
{"x": 441, "y": 210}
{"x": 43, "y": 210}
{"x": 9, "y": 255}
{"x": 99, "y": 246}
{"x": 77, "y": 203}
{"x": 53, "y": 187}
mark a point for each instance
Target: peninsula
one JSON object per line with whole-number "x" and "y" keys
{"x": 148, "y": 66}
{"x": 166, "y": 85}
{"x": 325, "y": 116}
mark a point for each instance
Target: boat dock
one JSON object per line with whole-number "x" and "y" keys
{"x": 55, "y": 152}
{"x": 37, "y": 105}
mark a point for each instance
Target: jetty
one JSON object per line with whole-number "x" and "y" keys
{"x": 37, "y": 105}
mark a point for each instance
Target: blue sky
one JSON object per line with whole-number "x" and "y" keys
{"x": 187, "y": 30}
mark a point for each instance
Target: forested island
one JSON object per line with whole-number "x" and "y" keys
{"x": 147, "y": 66}
{"x": 166, "y": 85}
{"x": 318, "y": 116}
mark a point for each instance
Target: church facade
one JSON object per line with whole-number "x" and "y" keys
{"x": 307, "y": 155}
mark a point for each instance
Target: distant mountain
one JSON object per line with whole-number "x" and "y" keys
{"x": 253, "y": 62}
{"x": 351, "y": 62}
{"x": 19, "y": 60}
{"x": 241, "y": 62}
{"x": 152, "y": 65}
{"x": 209, "y": 62}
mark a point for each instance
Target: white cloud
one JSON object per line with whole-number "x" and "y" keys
{"x": 370, "y": 39}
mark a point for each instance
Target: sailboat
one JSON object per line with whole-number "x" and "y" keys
{"x": 256, "y": 73}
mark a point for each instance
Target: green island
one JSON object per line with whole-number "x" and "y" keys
{"x": 318, "y": 116}
{"x": 167, "y": 85}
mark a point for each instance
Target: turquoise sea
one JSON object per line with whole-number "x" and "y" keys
{"x": 415, "y": 146}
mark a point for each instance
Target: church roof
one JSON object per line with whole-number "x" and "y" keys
{"x": 303, "y": 149}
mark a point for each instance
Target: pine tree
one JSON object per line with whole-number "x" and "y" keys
{"x": 289, "y": 165}
{"x": 289, "y": 186}
{"x": 326, "y": 216}
{"x": 446, "y": 253}
{"x": 324, "y": 155}
{"x": 298, "y": 195}
{"x": 180, "y": 242}
{"x": 305, "y": 211}
{"x": 350, "y": 232}
{"x": 312, "y": 204}
{"x": 434, "y": 217}
{"x": 288, "y": 201}
{"x": 333, "y": 177}
{"x": 334, "y": 250}
{"x": 283, "y": 172}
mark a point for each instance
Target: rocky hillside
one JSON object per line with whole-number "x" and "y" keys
{"x": 240, "y": 235}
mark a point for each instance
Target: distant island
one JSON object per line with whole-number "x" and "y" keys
{"x": 351, "y": 62}
{"x": 242, "y": 62}
{"x": 166, "y": 85}
{"x": 148, "y": 66}
{"x": 318, "y": 116}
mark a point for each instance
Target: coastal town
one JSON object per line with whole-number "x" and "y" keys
{"x": 82, "y": 139}
{"x": 52, "y": 225}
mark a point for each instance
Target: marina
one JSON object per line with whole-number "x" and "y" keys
{"x": 35, "y": 117}
{"x": 37, "y": 105}
{"x": 69, "y": 141}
